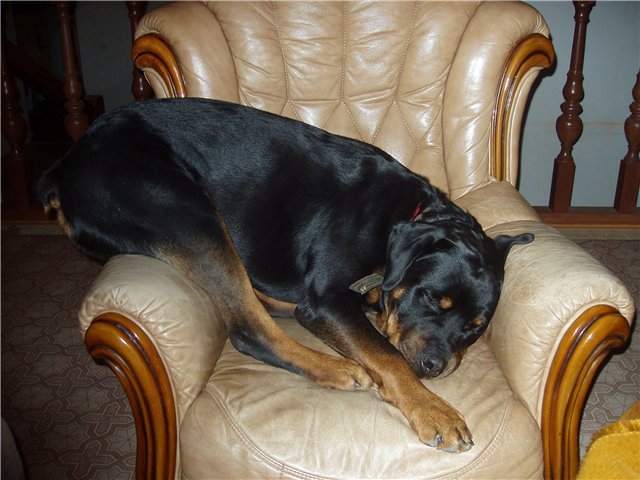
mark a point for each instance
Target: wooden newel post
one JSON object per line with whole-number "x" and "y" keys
{"x": 14, "y": 129}
{"x": 629, "y": 173}
{"x": 76, "y": 121}
{"x": 139, "y": 87}
{"x": 569, "y": 124}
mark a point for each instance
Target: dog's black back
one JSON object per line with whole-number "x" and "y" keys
{"x": 166, "y": 159}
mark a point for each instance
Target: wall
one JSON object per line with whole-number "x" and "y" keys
{"x": 611, "y": 63}
{"x": 104, "y": 35}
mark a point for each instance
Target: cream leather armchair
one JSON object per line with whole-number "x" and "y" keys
{"x": 442, "y": 87}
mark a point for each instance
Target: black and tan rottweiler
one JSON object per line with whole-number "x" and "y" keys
{"x": 262, "y": 210}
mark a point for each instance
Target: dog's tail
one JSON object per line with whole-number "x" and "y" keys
{"x": 47, "y": 193}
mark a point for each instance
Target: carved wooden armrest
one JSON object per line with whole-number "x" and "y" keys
{"x": 528, "y": 56}
{"x": 119, "y": 343}
{"x": 583, "y": 348}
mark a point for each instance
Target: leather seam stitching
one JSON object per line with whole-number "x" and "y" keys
{"x": 406, "y": 125}
{"x": 285, "y": 64}
{"x": 277, "y": 465}
{"x": 344, "y": 61}
{"x": 344, "y": 71}
{"x": 400, "y": 72}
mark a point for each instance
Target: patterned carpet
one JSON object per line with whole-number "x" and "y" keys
{"x": 70, "y": 417}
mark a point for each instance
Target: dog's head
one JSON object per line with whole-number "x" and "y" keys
{"x": 441, "y": 287}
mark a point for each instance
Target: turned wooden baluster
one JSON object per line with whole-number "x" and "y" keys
{"x": 76, "y": 121}
{"x": 139, "y": 87}
{"x": 14, "y": 129}
{"x": 569, "y": 124}
{"x": 629, "y": 173}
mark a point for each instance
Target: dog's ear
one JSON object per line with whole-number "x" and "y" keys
{"x": 505, "y": 242}
{"x": 408, "y": 242}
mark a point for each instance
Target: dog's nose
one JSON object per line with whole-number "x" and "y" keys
{"x": 432, "y": 365}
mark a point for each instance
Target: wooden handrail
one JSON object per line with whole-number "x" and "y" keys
{"x": 623, "y": 213}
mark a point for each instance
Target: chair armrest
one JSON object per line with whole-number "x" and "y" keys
{"x": 560, "y": 314}
{"x": 161, "y": 335}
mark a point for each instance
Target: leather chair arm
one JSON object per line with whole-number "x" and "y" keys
{"x": 162, "y": 336}
{"x": 560, "y": 314}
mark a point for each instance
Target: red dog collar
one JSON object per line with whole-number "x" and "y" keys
{"x": 416, "y": 212}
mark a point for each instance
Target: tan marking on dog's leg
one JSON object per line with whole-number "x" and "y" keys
{"x": 223, "y": 276}
{"x": 274, "y": 306}
{"x": 326, "y": 370}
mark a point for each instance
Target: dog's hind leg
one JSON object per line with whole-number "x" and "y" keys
{"x": 214, "y": 264}
{"x": 209, "y": 258}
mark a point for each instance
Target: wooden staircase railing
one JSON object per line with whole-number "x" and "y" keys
{"x": 624, "y": 212}
{"x": 25, "y": 160}
{"x": 629, "y": 173}
{"x": 14, "y": 129}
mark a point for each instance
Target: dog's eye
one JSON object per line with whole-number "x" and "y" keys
{"x": 430, "y": 300}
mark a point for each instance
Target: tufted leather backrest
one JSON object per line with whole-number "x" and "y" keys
{"x": 417, "y": 79}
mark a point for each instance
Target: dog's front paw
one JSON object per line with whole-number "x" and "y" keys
{"x": 440, "y": 425}
{"x": 342, "y": 374}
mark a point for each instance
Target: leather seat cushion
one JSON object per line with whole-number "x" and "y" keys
{"x": 253, "y": 420}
